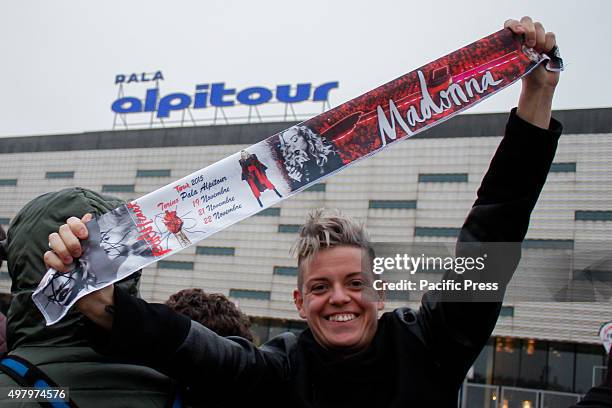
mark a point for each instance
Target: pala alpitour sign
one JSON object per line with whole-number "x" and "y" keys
{"x": 188, "y": 210}
{"x": 216, "y": 95}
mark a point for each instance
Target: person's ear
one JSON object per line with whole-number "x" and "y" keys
{"x": 299, "y": 303}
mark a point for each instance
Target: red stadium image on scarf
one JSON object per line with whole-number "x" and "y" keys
{"x": 254, "y": 173}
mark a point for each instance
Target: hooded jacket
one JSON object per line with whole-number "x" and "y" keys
{"x": 61, "y": 351}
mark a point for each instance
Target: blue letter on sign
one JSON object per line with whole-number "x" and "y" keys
{"x": 301, "y": 94}
{"x": 322, "y": 91}
{"x": 175, "y": 101}
{"x": 217, "y": 92}
{"x": 133, "y": 105}
{"x": 263, "y": 95}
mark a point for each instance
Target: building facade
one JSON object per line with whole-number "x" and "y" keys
{"x": 419, "y": 190}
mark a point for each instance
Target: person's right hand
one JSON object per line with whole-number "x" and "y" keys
{"x": 66, "y": 245}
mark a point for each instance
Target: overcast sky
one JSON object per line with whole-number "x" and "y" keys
{"x": 60, "y": 57}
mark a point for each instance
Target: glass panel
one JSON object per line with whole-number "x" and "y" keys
{"x": 549, "y": 243}
{"x": 153, "y": 173}
{"x": 118, "y": 188}
{"x": 532, "y": 373}
{"x": 480, "y": 397}
{"x": 443, "y": 178}
{"x": 482, "y": 371}
{"x": 226, "y": 251}
{"x": 561, "y": 367}
{"x": 59, "y": 174}
{"x": 8, "y": 182}
{"x": 435, "y": 232}
{"x": 394, "y": 204}
{"x": 507, "y": 356}
{"x": 260, "y": 330}
{"x": 554, "y": 400}
{"x": 174, "y": 265}
{"x": 515, "y": 398}
{"x": 276, "y": 329}
{"x": 563, "y": 168}
{"x": 269, "y": 212}
{"x": 587, "y": 357}
{"x": 316, "y": 187}
{"x": 250, "y": 294}
{"x": 286, "y": 270}
{"x": 593, "y": 215}
{"x": 289, "y": 228}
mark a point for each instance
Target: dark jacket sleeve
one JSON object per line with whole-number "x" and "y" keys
{"x": 154, "y": 335}
{"x": 454, "y": 329}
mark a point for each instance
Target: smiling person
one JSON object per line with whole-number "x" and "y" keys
{"x": 348, "y": 356}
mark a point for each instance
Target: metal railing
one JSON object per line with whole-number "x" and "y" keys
{"x": 494, "y": 396}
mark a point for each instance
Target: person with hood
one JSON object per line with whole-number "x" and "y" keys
{"x": 62, "y": 352}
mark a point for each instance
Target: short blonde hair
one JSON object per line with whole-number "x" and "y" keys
{"x": 324, "y": 229}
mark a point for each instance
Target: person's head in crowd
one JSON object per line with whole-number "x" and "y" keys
{"x": 212, "y": 310}
{"x": 334, "y": 292}
{"x": 27, "y": 240}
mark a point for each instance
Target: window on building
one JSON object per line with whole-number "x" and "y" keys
{"x": 153, "y": 173}
{"x": 289, "y": 228}
{"x": 209, "y": 250}
{"x": 118, "y": 188}
{"x": 286, "y": 270}
{"x": 563, "y": 168}
{"x": 532, "y": 373}
{"x": 269, "y": 212}
{"x": 507, "y": 311}
{"x": 482, "y": 372}
{"x": 593, "y": 215}
{"x": 393, "y": 204}
{"x": 507, "y": 360}
{"x": 587, "y": 358}
{"x": 174, "y": 265}
{"x": 443, "y": 178}
{"x": 436, "y": 232}
{"x": 561, "y": 367}
{"x": 266, "y": 328}
{"x": 5, "y": 221}
{"x": 316, "y": 187}
{"x": 250, "y": 294}
{"x": 8, "y": 182}
{"x": 282, "y": 326}
{"x": 549, "y": 243}
{"x": 59, "y": 175}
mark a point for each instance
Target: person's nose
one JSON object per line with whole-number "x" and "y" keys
{"x": 339, "y": 295}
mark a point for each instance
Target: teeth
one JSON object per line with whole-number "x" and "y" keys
{"x": 345, "y": 317}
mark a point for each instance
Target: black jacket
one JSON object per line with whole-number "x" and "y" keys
{"x": 417, "y": 358}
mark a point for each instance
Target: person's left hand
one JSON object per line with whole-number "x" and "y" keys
{"x": 541, "y": 41}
